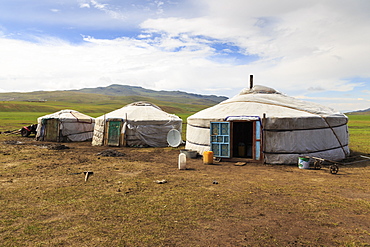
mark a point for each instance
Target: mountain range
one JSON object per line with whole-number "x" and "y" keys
{"x": 125, "y": 90}
{"x": 105, "y": 99}
{"x": 116, "y": 90}
{"x": 360, "y": 112}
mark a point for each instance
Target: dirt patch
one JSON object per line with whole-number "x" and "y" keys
{"x": 111, "y": 153}
{"x": 14, "y": 142}
{"x": 139, "y": 197}
{"x": 57, "y": 147}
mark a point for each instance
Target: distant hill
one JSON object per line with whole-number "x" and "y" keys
{"x": 360, "y": 112}
{"x": 105, "y": 99}
{"x": 116, "y": 90}
{"x": 125, "y": 90}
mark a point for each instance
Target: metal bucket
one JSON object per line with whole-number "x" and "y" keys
{"x": 191, "y": 154}
{"x": 304, "y": 162}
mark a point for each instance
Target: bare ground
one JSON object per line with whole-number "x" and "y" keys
{"x": 45, "y": 200}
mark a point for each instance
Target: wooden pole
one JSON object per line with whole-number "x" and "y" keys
{"x": 263, "y": 138}
{"x": 250, "y": 81}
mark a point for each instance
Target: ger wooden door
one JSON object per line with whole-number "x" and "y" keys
{"x": 51, "y": 130}
{"x": 114, "y": 132}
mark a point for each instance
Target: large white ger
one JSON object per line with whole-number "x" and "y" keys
{"x": 137, "y": 124}
{"x": 265, "y": 125}
{"x": 65, "y": 126}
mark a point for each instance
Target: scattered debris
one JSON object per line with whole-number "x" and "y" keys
{"x": 362, "y": 156}
{"x": 240, "y": 164}
{"x": 163, "y": 181}
{"x": 75, "y": 173}
{"x": 129, "y": 190}
{"x": 111, "y": 153}
{"x": 9, "y": 132}
{"x": 217, "y": 159}
{"x": 13, "y": 142}
{"x": 87, "y": 174}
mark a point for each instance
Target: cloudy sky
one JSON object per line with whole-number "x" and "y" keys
{"x": 316, "y": 50}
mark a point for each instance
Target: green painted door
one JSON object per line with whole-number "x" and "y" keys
{"x": 114, "y": 133}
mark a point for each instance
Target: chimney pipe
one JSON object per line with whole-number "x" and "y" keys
{"x": 250, "y": 81}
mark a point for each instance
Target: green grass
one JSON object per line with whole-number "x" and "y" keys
{"x": 86, "y": 102}
{"x": 16, "y": 120}
{"x": 22, "y": 109}
{"x": 53, "y": 106}
{"x": 359, "y": 133}
{"x": 44, "y": 204}
{"x": 14, "y": 115}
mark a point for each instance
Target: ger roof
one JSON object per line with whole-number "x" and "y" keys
{"x": 67, "y": 115}
{"x": 140, "y": 111}
{"x": 259, "y": 100}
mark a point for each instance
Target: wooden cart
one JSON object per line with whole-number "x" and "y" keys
{"x": 334, "y": 165}
{"x": 319, "y": 163}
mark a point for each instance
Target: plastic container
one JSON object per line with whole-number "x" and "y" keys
{"x": 208, "y": 157}
{"x": 182, "y": 161}
{"x": 304, "y": 162}
{"x": 241, "y": 149}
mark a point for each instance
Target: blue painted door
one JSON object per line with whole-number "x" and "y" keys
{"x": 257, "y": 140}
{"x": 220, "y": 139}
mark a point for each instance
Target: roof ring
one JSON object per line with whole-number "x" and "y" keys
{"x": 144, "y": 103}
{"x": 259, "y": 89}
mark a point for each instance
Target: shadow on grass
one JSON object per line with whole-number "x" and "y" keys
{"x": 357, "y": 159}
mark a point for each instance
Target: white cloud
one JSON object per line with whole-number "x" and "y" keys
{"x": 84, "y": 5}
{"x": 122, "y": 60}
{"x": 115, "y": 14}
{"x": 344, "y": 104}
{"x": 306, "y": 44}
{"x": 302, "y": 46}
{"x": 98, "y": 5}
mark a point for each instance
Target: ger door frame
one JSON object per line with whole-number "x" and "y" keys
{"x": 225, "y": 136}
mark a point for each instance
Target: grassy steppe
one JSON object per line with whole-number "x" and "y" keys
{"x": 359, "y": 133}
{"x": 45, "y": 201}
{"x": 15, "y": 114}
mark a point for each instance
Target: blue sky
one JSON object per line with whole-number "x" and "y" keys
{"x": 316, "y": 50}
